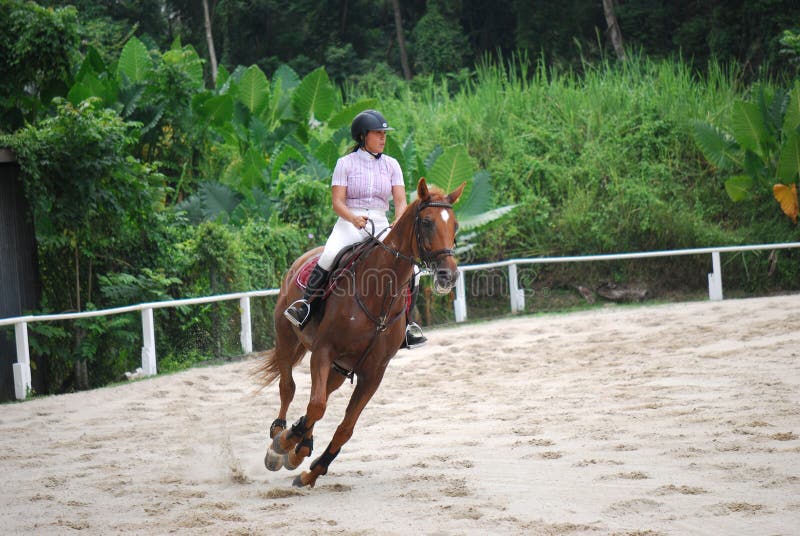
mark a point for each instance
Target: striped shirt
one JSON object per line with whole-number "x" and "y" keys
{"x": 369, "y": 180}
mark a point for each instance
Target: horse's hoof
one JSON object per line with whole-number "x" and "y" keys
{"x": 298, "y": 481}
{"x": 276, "y": 445}
{"x": 273, "y": 461}
{"x": 291, "y": 461}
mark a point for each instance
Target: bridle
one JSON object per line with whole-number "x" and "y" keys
{"x": 426, "y": 257}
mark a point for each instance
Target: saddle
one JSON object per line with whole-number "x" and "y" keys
{"x": 343, "y": 262}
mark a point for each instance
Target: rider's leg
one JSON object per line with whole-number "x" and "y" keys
{"x": 343, "y": 234}
{"x": 299, "y": 312}
{"x": 414, "y": 337}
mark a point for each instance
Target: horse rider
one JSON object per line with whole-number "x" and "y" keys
{"x": 363, "y": 181}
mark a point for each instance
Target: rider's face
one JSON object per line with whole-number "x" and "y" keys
{"x": 375, "y": 141}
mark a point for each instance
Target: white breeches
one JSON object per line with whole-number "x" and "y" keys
{"x": 345, "y": 234}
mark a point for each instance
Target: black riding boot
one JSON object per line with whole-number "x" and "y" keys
{"x": 299, "y": 312}
{"x": 414, "y": 337}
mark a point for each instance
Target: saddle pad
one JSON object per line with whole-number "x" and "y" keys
{"x": 305, "y": 271}
{"x": 302, "y": 275}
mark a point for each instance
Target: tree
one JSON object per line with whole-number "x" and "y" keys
{"x": 210, "y": 41}
{"x": 401, "y": 41}
{"x": 91, "y": 206}
{"x": 439, "y": 44}
{"x": 613, "y": 28}
{"x": 37, "y": 47}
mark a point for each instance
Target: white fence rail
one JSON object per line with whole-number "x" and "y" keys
{"x": 22, "y": 370}
{"x": 517, "y": 295}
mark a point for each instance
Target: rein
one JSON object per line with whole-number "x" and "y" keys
{"x": 382, "y": 322}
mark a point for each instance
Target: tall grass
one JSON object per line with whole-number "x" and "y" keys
{"x": 601, "y": 160}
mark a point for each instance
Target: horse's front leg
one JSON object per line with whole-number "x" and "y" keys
{"x": 365, "y": 389}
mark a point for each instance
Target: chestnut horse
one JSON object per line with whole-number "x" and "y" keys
{"x": 357, "y": 330}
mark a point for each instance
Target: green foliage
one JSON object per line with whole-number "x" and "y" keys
{"x": 134, "y": 62}
{"x": 80, "y": 182}
{"x": 90, "y": 202}
{"x": 763, "y": 142}
{"x": 451, "y": 169}
{"x": 440, "y": 45}
{"x": 305, "y": 201}
{"x": 37, "y": 47}
{"x": 790, "y": 41}
{"x": 315, "y": 98}
{"x": 124, "y": 289}
{"x": 598, "y": 162}
{"x": 719, "y": 148}
{"x": 253, "y": 89}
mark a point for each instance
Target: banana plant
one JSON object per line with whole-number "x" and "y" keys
{"x": 761, "y": 150}
{"x": 448, "y": 168}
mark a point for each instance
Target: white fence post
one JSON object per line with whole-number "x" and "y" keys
{"x": 460, "y": 303}
{"x": 715, "y": 278}
{"x": 148, "y": 343}
{"x": 22, "y": 368}
{"x": 517, "y": 294}
{"x": 246, "y": 334}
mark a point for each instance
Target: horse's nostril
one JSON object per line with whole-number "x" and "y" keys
{"x": 445, "y": 274}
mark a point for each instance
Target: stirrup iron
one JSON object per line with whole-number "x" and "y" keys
{"x": 414, "y": 337}
{"x": 297, "y": 306}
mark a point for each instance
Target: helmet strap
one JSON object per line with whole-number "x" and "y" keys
{"x": 363, "y": 144}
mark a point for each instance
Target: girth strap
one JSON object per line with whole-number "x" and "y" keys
{"x": 343, "y": 371}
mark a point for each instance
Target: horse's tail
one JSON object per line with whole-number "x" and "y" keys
{"x": 268, "y": 366}
{"x": 266, "y": 370}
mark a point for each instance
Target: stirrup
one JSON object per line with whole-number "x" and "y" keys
{"x": 298, "y": 312}
{"x": 414, "y": 336}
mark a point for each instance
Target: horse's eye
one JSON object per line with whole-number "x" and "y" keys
{"x": 427, "y": 223}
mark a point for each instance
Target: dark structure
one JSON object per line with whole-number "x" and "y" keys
{"x": 19, "y": 283}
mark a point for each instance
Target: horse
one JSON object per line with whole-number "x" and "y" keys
{"x": 356, "y": 331}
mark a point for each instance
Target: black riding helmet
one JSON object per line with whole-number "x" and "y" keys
{"x": 366, "y": 121}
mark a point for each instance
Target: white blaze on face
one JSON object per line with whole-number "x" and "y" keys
{"x": 445, "y": 215}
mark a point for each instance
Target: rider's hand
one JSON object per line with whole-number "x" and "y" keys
{"x": 359, "y": 221}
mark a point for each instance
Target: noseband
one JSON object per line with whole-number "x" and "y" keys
{"x": 426, "y": 256}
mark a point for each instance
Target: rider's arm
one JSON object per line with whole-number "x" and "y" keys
{"x": 400, "y": 203}
{"x": 339, "y": 195}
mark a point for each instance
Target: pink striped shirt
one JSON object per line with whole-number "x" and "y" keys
{"x": 368, "y": 180}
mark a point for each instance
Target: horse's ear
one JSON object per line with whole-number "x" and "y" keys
{"x": 422, "y": 189}
{"x": 453, "y": 196}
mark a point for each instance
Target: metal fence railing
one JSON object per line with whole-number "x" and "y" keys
{"x": 22, "y": 370}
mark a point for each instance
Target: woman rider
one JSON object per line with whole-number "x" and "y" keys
{"x": 362, "y": 182}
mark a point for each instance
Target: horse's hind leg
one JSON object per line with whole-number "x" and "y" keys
{"x": 286, "y": 387}
{"x": 303, "y": 450}
{"x": 287, "y": 355}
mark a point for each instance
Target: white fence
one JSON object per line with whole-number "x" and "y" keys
{"x": 517, "y": 295}
{"x": 22, "y": 370}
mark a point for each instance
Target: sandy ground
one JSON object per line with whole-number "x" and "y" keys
{"x": 673, "y": 419}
